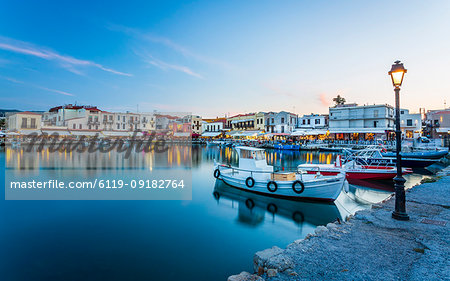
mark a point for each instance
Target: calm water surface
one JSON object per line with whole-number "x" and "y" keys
{"x": 209, "y": 238}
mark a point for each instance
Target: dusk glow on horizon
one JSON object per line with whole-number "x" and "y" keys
{"x": 223, "y": 57}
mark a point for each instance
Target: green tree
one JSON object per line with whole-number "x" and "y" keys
{"x": 339, "y": 100}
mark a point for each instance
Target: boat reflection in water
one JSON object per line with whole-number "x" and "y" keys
{"x": 252, "y": 208}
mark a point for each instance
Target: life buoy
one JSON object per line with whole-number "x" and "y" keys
{"x": 250, "y": 182}
{"x": 272, "y": 208}
{"x": 216, "y": 173}
{"x": 270, "y": 188}
{"x": 249, "y": 203}
{"x": 294, "y": 188}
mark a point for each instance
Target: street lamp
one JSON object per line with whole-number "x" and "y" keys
{"x": 397, "y": 73}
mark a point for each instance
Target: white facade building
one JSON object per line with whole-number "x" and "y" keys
{"x": 313, "y": 121}
{"x": 280, "y": 122}
{"x": 212, "y": 126}
{"x": 410, "y": 124}
{"x": 368, "y": 120}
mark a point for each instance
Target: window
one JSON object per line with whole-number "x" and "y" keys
{"x": 282, "y": 119}
{"x": 96, "y": 119}
{"x": 304, "y": 122}
{"x": 96, "y": 127}
{"x": 375, "y": 124}
{"x": 90, "y": 119}
{"x": 375, "y": 113}
{"x": 89, "y": 127}
{"x": 118, "y": 126}
{"x": 80, "y": 126}
{"x": 74, "y": 126}
{"x": 402, "y": 112}
{"x": 273, "y": 121}
{"x": 118, "y": 117}
{"x": 110, "y": 117}
{"x": 123, "y": 119}
{"x": 317, "y": 121}
{"x": 309, "y": 121}
{"x": 123, "y": 126}
{"x": 24, "y": 123}
{"x": 33, "y": 123}
{"x": 409, "y": 122}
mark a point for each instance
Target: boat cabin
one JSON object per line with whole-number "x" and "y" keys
{"x": 253, "y": 159}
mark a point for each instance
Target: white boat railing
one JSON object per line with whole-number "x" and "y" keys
{"x": 234, "y": 169}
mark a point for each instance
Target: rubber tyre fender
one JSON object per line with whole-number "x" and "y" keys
{"x": 275, "y": 185}
{"x": 216, "y": 173}
{"x": 247, "y": 182}
{"x": 298, "y": 191}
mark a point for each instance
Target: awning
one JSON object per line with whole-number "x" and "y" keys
{"x": 443, "y": 130}
{"x": 29, "y": 132}
{"x": 58, "y": 132}
{"x": 278, "y": 134}
{"x": 248, "y": 133}
{"x": 242, "y": 120}
{"x": 311, "y": 132}
{"x": 182, "y": 134}
{"x": 115, "y": 133}
{"x": 85, "y": 133}
{"x": 359, "y": 130}
{"x": 211, "y": 134}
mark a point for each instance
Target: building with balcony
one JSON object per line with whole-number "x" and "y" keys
{"x": 437, "y": 124}
{"x": 410, "y": 124}
{"x": 280, "y": 122}
{"x": 313, "y": 121}
{"x": 251, "y": 121}
{"x": 351, "y": 121}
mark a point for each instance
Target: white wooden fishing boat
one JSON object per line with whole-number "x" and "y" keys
{"x": 255, "y": 175}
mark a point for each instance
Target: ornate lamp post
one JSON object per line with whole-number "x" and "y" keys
{"x": 397, "y": 72}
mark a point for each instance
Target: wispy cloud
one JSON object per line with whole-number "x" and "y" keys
{"x": 167, "y": 66}
{"x": 145, "y": 36}
{"x": 67, "y": 62}
{"x": 36, "y": 86}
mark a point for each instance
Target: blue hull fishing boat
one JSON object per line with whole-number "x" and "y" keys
{"x": 438, "y": 154}
{"x": 373, "y": 156}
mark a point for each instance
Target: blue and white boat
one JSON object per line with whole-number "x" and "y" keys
{"x": 255, "y": 175}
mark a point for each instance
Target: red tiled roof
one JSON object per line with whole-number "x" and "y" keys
{"x": 28, "y": 112}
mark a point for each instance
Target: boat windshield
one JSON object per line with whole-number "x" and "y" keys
{"x": 253, "y": 154}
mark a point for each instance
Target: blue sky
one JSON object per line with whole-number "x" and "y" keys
{"x": 221, "y": 57}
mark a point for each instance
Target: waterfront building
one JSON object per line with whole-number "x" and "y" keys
{"x": 313, "y": 121}
{"x": 24, "y": 122}
{"x": 437, "y": 124}
{"x": 351, "y": 121}
{"x": 410, "y": 124}
{"x": 89, "y": 120}
{"x": 280, "y": 122}
{"x": 251, "y": 121}
{"x": 213, "y": 127}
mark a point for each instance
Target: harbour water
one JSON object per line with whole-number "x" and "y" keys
{"x": 209, "y": 237}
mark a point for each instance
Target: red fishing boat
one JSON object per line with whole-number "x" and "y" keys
{"x": 353, "y": 170}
